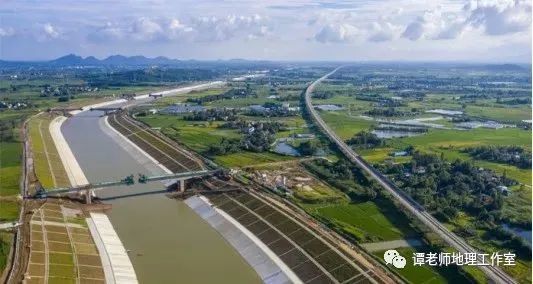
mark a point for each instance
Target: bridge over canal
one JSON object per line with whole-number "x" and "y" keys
{"x": 88, "y": 189}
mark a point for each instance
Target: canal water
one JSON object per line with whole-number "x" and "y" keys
{"x": 168, "y": 242}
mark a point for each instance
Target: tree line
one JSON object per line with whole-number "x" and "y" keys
{"x": 256, "y": 137}
{"x": 511, "y": 155}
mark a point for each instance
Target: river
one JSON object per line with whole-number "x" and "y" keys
{"x": 168, "y": 242}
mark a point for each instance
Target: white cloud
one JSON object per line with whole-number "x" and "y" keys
{"x": 145, "y": 29}
{"x": 225, "y": 28}
{"x": 350, "y": 26}
{"x": 383, "y": 31}
{"x": 432, "y": 24}
{"x": 337, "y": 33}
{"x": 5, "y": 32}
{"x": 500, "y": 17}
{"x": 50, "y": 31}
{"x": 108, "y": 32}
{"x": 492, "y": 17}
{"x": 414, "y": 30}
{"x": 392, "y": 29}
{"x": 451, "y": 31}
{"x": 177, "y": 30}
{"x": 203, "y": 29}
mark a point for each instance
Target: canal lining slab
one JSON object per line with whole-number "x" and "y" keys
{"x": 268, "y": 266}
{"x": 115, "y": 260}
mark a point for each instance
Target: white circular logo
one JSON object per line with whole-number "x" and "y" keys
{"x": 393, "y": 257}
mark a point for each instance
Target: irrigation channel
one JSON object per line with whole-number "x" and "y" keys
{"x": 165, "y": 238}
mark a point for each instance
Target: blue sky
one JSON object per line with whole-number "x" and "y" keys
{"x": 360, "y": 30}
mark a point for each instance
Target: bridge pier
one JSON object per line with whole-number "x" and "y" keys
{"x": 88, "y": 197}
{"x": 181, "y": 185}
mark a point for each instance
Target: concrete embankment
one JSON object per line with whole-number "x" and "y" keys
{"x": 74, "y": 172}
{"x": 135, "y": 151}
{"x": 115, "y": 260}
{"x": 181, "y": 90}
{"x": 265, "y": 262}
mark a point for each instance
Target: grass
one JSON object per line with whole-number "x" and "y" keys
{"x": 510, "y": 114}
{"x": 344, "y": 125}
{"x": 9, "y": 210}
{"x": 244, "y": 158}
{"x": 61, "y": 258}
{"x": 480, "y": 136}
{"x": 6, "y": 239}
{"x": 318, "y": 193}
{"x": 240, "y": 102}
{"x": 43, "y": 144}
{"x": 77, "y": 220}
{"x": 62, "y": 271}
{"x": 367, "y": 221}
{"x": 10, "y": 167}
{"x": 200, "y": 136}
{"x": 11, "y": 155}
{"x": 180, "y": 98}
{"x": 196, "y": 135}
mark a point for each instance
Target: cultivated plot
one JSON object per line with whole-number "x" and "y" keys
{"x": 62, "y": 249}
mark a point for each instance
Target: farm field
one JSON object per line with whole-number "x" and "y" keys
{"x": 31, "y": 90}
{"x": 344, "y": 125}
{"x": 366, "y": 221}
{"x": 10, "y": 176}
{"x": 10, "y": 167}
{"x": 198, "y": 136}
{"x": 450, "y": 142}
{"x": 9, "y": 211}
{"x": 195, "y": 135}
{"x": 62, "y": 251}
{"x": 513, "y": 115}
{"x": 6, "y": 239}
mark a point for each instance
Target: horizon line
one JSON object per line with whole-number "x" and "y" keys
{"x": 462, "y": 61}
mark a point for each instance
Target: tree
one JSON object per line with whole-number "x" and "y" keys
{"x": 309, "y": 147}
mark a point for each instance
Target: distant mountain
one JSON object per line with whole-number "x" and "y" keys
{"x": 70, "y": 59}
{"x": 116, "y": 60}
{"x": 505, "y": 67}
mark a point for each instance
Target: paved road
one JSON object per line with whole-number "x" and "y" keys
{"x": 494, "y": 273}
